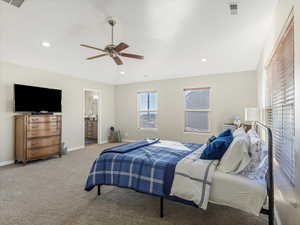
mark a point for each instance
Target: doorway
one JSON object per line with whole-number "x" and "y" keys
{"x": 91, "y": 117}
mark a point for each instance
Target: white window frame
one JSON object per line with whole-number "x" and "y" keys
{"x": 140, "y": 111}
{"x": 209, "y": 110}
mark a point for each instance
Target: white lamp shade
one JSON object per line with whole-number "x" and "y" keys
{"x": 251, "y": 114}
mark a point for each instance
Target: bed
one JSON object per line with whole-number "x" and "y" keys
{"x": 151, "y": 167}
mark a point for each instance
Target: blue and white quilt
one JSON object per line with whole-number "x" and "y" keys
{"x": 146, "y": 166}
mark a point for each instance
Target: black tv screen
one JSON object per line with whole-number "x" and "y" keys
{"x": 36, "y": 99}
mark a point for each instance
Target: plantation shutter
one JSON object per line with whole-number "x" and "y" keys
{"x": 281, "y": 69}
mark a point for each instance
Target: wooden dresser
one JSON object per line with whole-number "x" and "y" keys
{"x": 91, "y": 128}
{"x": 37, "y": 137}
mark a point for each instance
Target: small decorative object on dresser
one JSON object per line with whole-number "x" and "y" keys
{"x": 37, "y": 137}
{"x": 237, "y": 121}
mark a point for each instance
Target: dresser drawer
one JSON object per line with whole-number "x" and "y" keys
{"x": 90, "y": 126}
{"x": 43, "y": 142}
{"x": 43, "y": 119}
{"x": 93, "y": 130}
{"x": 42, "y": 152}
{"x": 43, "y": 126}
{"x": 91, "y": 123}
{"x": 42, "y": 133}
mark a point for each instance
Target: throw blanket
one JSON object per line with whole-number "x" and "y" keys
{"x": 130, "y": 147}
{"x": 193, "y": 177}
{"x": 149, "y": 168}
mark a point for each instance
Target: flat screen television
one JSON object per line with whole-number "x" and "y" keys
{"x": 36, "y": 99}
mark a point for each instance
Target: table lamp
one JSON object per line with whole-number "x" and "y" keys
{"x": 251, "y": 115}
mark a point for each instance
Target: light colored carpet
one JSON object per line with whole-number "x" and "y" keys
{"x": 51, "y": 192}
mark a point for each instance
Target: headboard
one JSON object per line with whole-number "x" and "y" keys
{"x": 266, "y": 131}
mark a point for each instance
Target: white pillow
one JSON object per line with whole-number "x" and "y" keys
{"x": 239, "y": 131}
{"x": 255, "y": 147}
{"x": 236, "y": 158}
{"x": 258, "y": 151}
{"x": 258, "y": 173}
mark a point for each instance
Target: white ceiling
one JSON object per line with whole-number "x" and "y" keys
{"x": 173, "y": 35}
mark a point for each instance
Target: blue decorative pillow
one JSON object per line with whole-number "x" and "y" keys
{"x": 217, "y": 148}
{"x": 225, "y": 133}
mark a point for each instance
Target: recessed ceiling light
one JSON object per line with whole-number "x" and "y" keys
{"x": 122, "y": 72}
{"x": 46, "y": 44}
{"x": 204, "y": 60}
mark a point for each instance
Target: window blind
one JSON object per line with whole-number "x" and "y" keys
{"x": 197, "y": 109}
{"x": 281, "y": 70}
{"x": 147, "y": 109}
{"x": 268, "y": 117}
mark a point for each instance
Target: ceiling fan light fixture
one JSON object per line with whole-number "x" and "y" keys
{"x": 233, "y": 6}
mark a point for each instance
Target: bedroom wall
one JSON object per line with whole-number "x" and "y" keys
{"x": 72, "y": 104}
{"x": 231, "y": 93}
{"x": 287, "y": 197}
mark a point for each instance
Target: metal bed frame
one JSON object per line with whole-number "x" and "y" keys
{"x": 269, "y": 180}
{"x": 269, "y": 176}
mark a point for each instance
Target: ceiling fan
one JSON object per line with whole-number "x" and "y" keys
{"x": 114, "y": 51}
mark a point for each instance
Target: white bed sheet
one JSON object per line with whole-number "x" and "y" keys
{"x": 238, "y": 192}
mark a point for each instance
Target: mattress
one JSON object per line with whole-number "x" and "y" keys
{"x": 238, "y": 192}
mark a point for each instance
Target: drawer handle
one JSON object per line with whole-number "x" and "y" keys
{"x": 37, "y": 126}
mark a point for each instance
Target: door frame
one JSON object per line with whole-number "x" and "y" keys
{"x": 99, "y": 127}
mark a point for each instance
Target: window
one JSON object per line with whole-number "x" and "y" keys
{"x": 197, "y": 109}
{"x": 147, "y": 109}
{"x": 281, "y": 71}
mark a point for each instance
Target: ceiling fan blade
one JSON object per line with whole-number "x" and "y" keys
{"x": 117, "y": 60}
{"x": 97, "y": 56}
{"x": 132, "y": 56}
{"x": 87, "y": 46}
{"x": 121, "y": 47}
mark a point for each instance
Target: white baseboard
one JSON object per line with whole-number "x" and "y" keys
{"x": 75, "y": 148}
{"x": 103, "y": 142}
{"x": 6, "y": 163}
{"x": 128, "y": 140}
